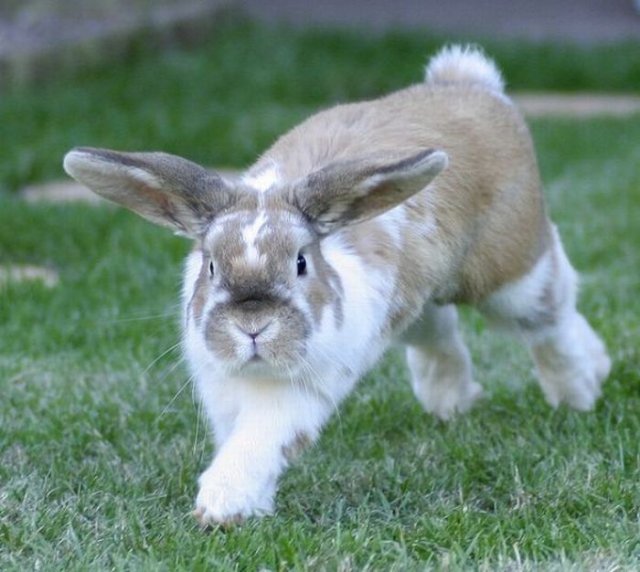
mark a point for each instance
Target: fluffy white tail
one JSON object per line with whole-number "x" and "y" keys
{"x": 466, "y": 65}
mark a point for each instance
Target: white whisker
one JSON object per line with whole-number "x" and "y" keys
{"x": 177, "y": 394}
{"x": 164, "y": 353}
{"x": 168, "y": 315}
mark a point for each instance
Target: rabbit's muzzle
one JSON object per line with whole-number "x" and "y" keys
{"x": 270, "y": 333}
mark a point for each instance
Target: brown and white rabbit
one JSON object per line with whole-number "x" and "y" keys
{"x": 362, "y": 226}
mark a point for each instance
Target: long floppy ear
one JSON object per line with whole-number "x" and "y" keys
{"x": 165, "y": 189}
{"x": 348, "y": 192}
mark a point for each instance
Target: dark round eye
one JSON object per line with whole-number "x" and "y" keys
{"x": 302, "y": 265}
{"x": 211, "y": 268}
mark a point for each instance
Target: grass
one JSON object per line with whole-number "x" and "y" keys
{"x": 101, "y": 442}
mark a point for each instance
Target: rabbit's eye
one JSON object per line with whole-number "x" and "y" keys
{"x": 211, "y": 268}
{"x": 302, "y": 265}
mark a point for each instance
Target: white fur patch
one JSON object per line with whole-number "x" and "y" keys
{"x": 515, "y": 299}
{"x": 270, "y": 417}
{"x": 250, "y": 235}
{"x": 263, "y": 179}
{"x": 464, "y": 64}
{"x": 523, "y": 298}
{"x": 366, "y": 299}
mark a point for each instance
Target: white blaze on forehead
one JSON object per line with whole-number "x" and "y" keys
{"x": 252, "y": 230}
{"x": 262, "y": 179}
{"x": 250, "y": 234}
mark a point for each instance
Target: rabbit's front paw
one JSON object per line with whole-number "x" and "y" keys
{"x": 228, "y": 500}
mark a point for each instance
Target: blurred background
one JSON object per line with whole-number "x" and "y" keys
{"x": 39, "y": 38}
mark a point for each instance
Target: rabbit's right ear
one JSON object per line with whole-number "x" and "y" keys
{"x": 165, "y": 189}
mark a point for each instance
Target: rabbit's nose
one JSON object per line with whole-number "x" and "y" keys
{"x": 253, "y": 331}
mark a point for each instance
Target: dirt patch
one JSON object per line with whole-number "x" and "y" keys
{"x": 581, "y": 105}
{"x": 41, "y": 39}
{"x": 60, "y": 192}
{"x": 66, "y": 191}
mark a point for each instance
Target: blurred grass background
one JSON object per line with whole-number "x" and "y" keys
{"x": 226, "y": 101}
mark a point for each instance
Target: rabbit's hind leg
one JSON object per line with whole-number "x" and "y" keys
{"x": 540, "y": 307}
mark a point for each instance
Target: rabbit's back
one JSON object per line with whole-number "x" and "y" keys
{"x": 479, "y": 225}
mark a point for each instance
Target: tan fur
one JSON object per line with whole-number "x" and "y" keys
{"x": 373, "y": 243}
{"x": 326, "y": 290}
{"x": 491, "y": 225}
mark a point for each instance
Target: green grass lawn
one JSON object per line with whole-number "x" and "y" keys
{"x": 101, "y": 440}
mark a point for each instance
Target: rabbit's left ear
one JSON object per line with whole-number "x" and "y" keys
{"x": 348, "y": 192}
{"x": 165, "y": 189}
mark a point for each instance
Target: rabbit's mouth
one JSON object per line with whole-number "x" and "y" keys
{"x": 267, "y": 360}
{"x": 256, "y": 360}
{"x": 258, "y": 367}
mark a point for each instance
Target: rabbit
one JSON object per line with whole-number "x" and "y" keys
{"x": 360, "y": 228}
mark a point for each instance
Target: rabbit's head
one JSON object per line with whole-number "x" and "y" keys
{"x": 258, "y": 286}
